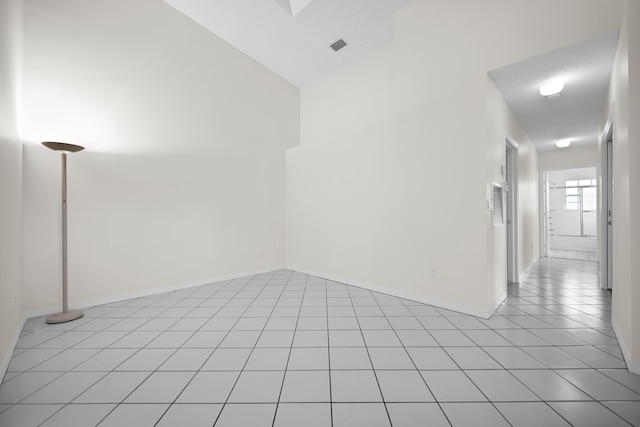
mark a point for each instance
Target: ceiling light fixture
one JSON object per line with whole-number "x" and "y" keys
{"x": 552, "y": 88}
{"x": 563, "y": 143}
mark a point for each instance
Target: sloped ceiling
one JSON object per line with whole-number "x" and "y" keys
{"x": 292, "y": 37}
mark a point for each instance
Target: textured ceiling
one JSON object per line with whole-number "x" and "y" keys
{"x": 586, "y": 68}
{"x": 292, "y": 37}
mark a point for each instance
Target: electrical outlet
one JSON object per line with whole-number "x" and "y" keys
{"x": 433, "y": 272}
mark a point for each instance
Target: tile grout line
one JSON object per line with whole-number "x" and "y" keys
{"x": 329, "y": 353}
{"x": 293, "y": 337}
{"x": 369, "y": 355}
{"x": 248, "y": 357}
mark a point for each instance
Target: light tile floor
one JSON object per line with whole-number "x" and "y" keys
{"x": 574, "y": 254}
{"x": 287, "y": 349}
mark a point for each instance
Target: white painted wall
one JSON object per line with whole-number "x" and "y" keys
{"x": 589, "y": 244}
{"x": 502, "y": 124}
{"x": 11, "y": 301}
{"x": 390, "y": 138}
{"x": 633, "y": 17}
{"x": 624, "y": 100}
{"x": 183, "y": 176}
{"x": 560, "y": 176}
{"x": 568, "y": 158}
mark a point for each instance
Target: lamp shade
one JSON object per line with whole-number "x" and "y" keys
{"x": 63, "y": 146}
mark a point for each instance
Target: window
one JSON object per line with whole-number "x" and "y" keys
{"x": 572, "y": 196}
{"x": 572, "y": 203}
{"x": 580, "y": 190}
{"x": 589, "y": 199}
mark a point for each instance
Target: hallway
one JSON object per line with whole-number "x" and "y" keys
{"x": 288, "y": 349}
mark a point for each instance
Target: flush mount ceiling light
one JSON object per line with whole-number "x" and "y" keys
{"x": 552, "y": 88}
{"x": 563, "y": 143}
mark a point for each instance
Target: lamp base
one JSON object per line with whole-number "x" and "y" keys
{"x": 66, "y": 316}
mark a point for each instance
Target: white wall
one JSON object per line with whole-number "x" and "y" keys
{"x": 572, "y": 243}
{"x": 11, "y": 301}
{"x": 568, "y": 158}
{"x": 183, "y": 176}
{"x": 389, "y": 138}
{"x": 624, "y": 101}
{"x": 633, "y": 35}
{"x": 560, "y": 176}
{"x": 502, "y": 124}
{"x": 370, "y": 211}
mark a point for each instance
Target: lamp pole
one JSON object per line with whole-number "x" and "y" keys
{"x": 65, "y": 269}
{"x": 66, "y": 315}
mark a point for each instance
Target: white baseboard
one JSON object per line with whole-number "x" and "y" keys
{"x": 148, "y": 292}
{"x": 116, "y": 298}
{"x": 121, "y": 297}
{"x": 632, "y": 365}
{"x": 527, "y": 270}
{"x": 497, "y": 304}
{"x": 11, "y": 349}
{"x": 473, "y": 311}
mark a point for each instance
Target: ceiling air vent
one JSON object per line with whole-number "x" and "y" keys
{"x": 338, "y": 45}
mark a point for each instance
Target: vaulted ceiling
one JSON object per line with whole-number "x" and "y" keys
{"x": 293, "y": 39}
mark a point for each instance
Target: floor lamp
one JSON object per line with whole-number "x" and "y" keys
{"x": 66, "y": 315}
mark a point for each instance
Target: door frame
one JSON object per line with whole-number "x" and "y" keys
{"x": 606, "y": 205}
{"x": 511, "y": 176}
{"x": 545, "y": 244}
{"x": 544, "y": 213}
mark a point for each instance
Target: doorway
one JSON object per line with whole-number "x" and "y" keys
{"x": 571, "y": 212}
{"x": 511, "y": 176}
{"x": 606, "y": 260}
